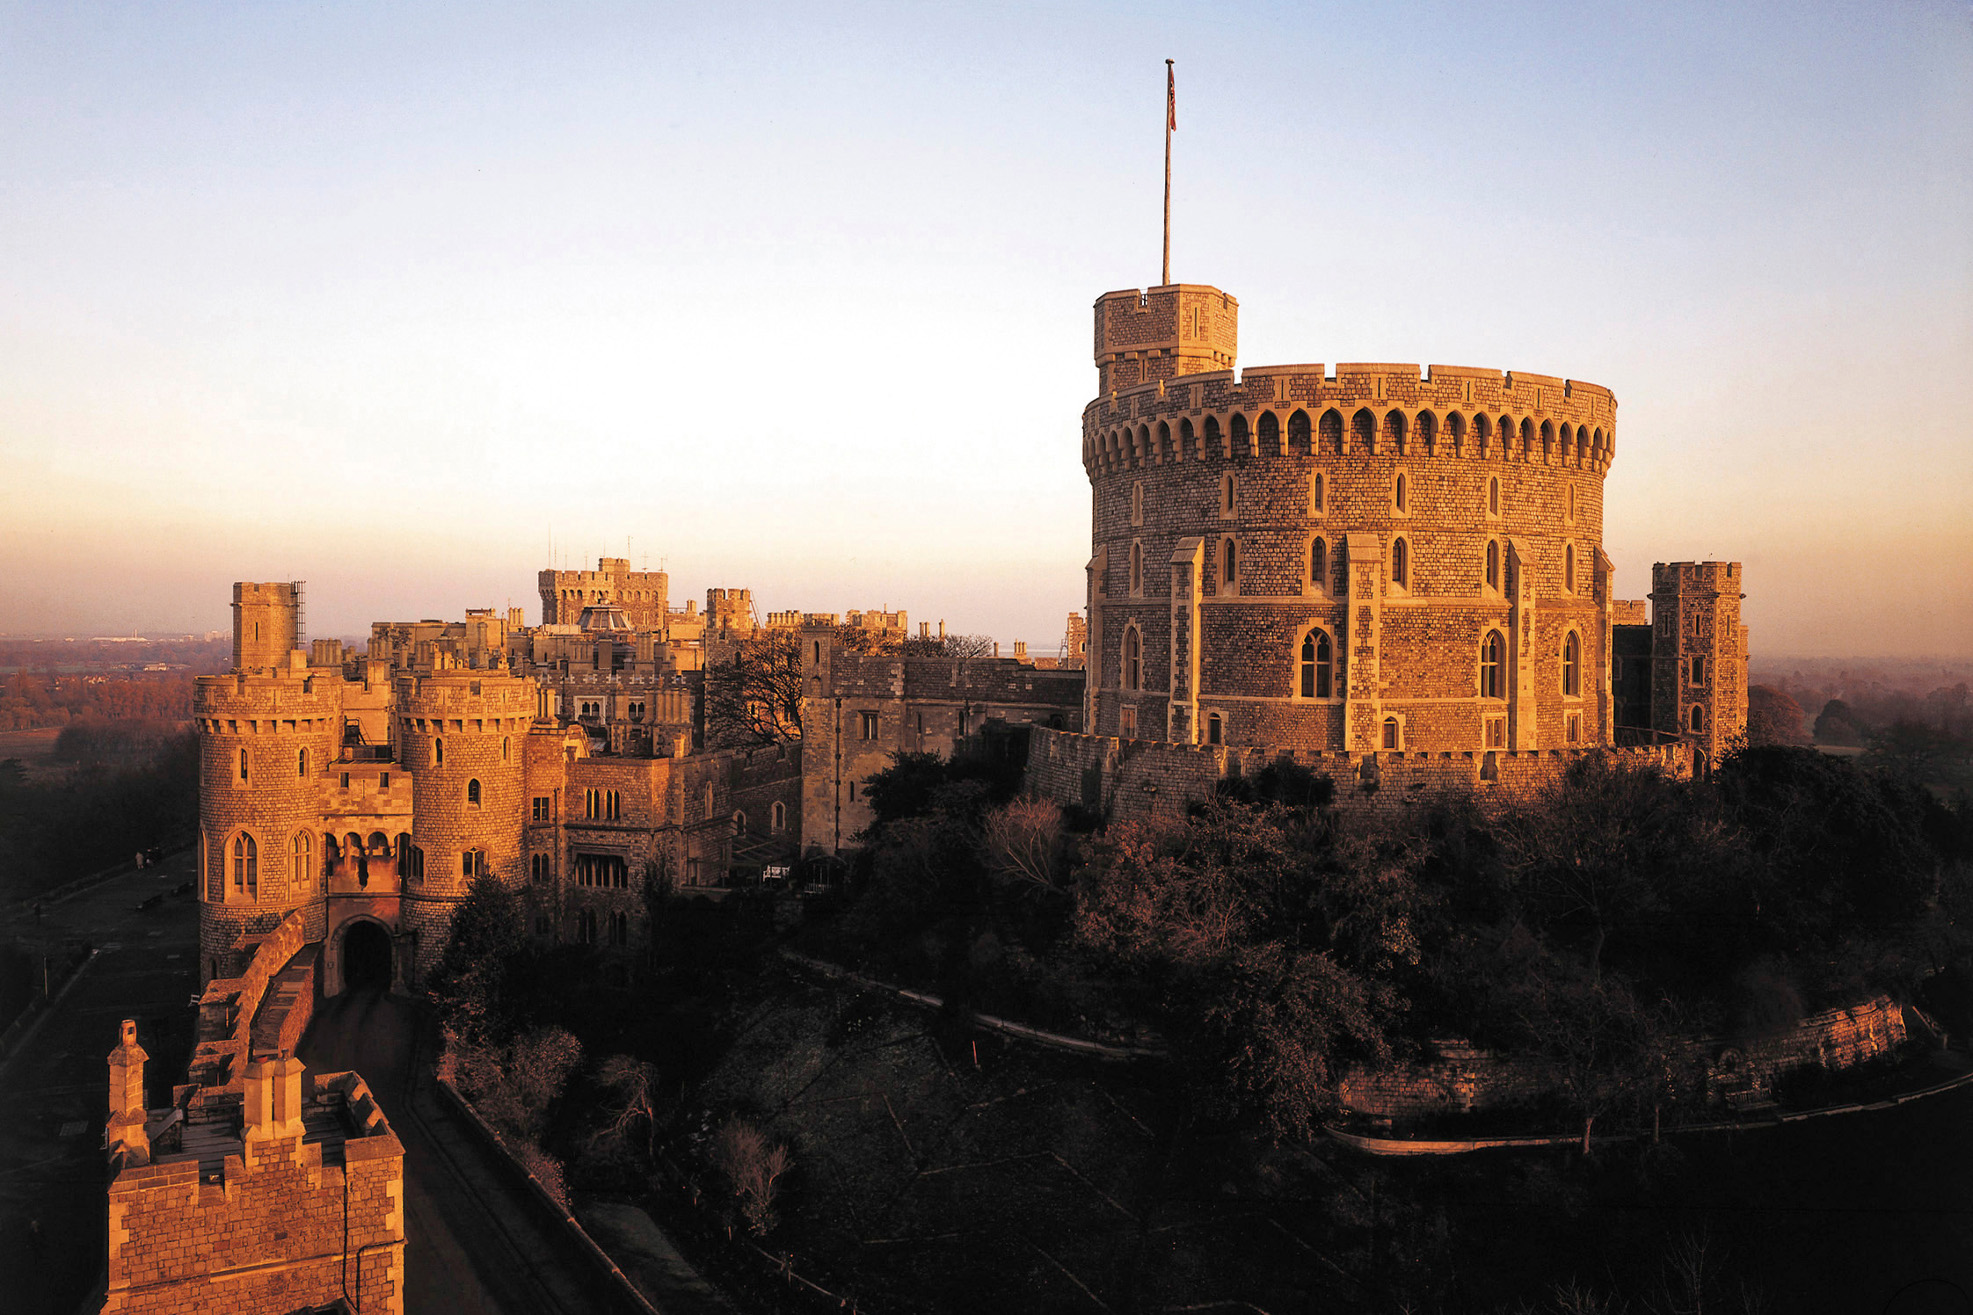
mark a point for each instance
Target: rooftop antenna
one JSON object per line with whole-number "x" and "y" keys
{"x": 1171, "y": 124}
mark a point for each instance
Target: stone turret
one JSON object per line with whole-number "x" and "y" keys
{"x": 125, "y": 1131}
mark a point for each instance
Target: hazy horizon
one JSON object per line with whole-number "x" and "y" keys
{"x": 389, "y": 300}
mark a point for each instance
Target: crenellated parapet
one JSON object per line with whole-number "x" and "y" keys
{"x": 1451, "y": 412}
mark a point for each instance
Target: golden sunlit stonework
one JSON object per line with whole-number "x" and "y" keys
{"x": 1389, "y": 574}
{"x": 1393, "y": 577}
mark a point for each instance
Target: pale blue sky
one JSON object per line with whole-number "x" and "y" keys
{"x": 380, "y": 297}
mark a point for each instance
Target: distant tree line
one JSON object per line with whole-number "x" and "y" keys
{"x": 56, "y": 827}
{"x": 30, "y": 700}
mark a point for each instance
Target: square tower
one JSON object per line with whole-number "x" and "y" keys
{"x": 1699, "y": 654}
{"x": 1160, "y": 333}
{"x": 266, "y": 624}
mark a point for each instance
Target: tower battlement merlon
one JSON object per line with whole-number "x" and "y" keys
{"x": 1148, "y": 334}
{"x": 1372, "y": 407}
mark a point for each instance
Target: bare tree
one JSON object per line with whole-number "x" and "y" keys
{"x": 756, "y": 698}
{"x": 949, "y": 646}
{"x": 1026, "y": 842}
{"x": 635, "y": 1084}
{"x": 751, "y": 1167}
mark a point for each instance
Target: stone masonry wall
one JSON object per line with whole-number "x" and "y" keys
{"x": 1460, "y": 1078}
{"x": 267, "y": 1233}
{"x": 266, "y": 746}
{"x": 1137, "y": 780}
{"x": 1295, "y": 468}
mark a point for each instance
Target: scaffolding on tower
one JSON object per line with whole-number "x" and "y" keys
{"x": 301, "y": 616}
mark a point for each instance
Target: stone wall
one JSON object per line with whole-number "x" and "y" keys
{"x": 859, "y": 709}
{"x": 1459, "y": 1078}
{"x": 229, "y": 1006}
{"x": 274, "y": 1229}
{"x": 1134, "y": 780}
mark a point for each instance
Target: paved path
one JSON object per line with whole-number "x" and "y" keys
{"x": 474, "y": 1242}
{"x": 54, "y": 1091}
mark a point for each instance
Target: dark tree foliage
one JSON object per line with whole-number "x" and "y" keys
{"x": 1610, "y": 851}
{"x": 1272, "y": 953}
{"x": 1773, "y": 717}
{"x": 1277, "y": 944}
{"x": 1836, "y": 724}
{"x": 98, "y": 816}
{"x": 472, "y": 987}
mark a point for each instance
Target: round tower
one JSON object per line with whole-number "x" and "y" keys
{"x": 1358, "y": 558}
{"x": 266, "y": 742}
{"x": 460, "y": 734}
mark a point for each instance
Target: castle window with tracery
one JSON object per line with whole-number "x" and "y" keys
{"x": 246, "y": 866}
{"x": 1493, "y": 654}
{"x": 1317, "y": 666}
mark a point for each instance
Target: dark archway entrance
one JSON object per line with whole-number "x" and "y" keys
{"x": 366, "y": 957}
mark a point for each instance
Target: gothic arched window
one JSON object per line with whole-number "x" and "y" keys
{"x": 1318, "y": 564}
{"x": 1493, "y": 564}
{"x": 473, "y": 793}
{"x": 1400, "y": 563}
{"x": 246, "y": 864}
{"x": 1571, "y": 666}
{"x": 1133, "y": 659}
{"x": 1493, "y": 659}
{"x": 1317, "y": 665}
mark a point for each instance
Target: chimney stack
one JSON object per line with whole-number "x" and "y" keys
{"x": 125, "y": 1131}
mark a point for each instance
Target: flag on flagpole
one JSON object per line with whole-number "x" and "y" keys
{"x": 1171, "y": 98}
